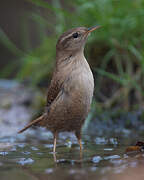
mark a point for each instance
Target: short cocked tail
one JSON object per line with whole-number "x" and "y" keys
{"x": 34, "y": 122}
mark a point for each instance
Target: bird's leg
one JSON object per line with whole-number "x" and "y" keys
{"x": 54, "y": 143}
{"x": 78, "y": 135}
{"x": 54, "y": 156}
{"x": 80, "y": 144}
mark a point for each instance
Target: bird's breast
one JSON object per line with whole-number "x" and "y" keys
{"x": 85, "y": 84}
{"x": 80, "y": 84}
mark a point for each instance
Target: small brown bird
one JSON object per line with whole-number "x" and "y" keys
{"x": 71, "y": 89}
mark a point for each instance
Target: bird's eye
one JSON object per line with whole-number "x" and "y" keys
{"x": 75, "y": 35}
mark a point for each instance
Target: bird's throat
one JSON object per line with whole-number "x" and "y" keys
{"x": 69, "y": 57}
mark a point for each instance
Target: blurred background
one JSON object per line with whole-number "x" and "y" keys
{"x": 29, "y": 30}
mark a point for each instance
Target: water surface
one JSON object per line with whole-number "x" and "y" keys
{"x": 29, "y": 156}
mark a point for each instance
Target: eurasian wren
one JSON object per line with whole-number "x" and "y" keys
{"x": 71, "y": 89}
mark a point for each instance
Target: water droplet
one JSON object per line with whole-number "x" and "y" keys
{"x": 113, "y": 141}
{"x": 108, "y": 149}
{"x": 68, "y": 144}
{"x": 48, "y": 145}
{"x": 24, "y": 161}
{"x": 100, "y": 140}
{"x": 96, "y": 159}
{"x": 13, "y": 149}
{"x": 21, "y": 145}
{"x": 49, "y": 170}
{"x": 112, "y": 157}
{"x": 26, "y": 152}
{"x": 3, "y": 153}
{"x": 34, "y": 148}
{"x": 125, "y": 156}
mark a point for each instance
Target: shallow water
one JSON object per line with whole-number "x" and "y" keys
{"x": 29, "y": 156}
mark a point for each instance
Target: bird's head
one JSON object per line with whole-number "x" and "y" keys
{"x": 74, "y": 39}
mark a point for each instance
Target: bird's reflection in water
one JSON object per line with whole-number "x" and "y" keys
{"x": 73, "y": 159}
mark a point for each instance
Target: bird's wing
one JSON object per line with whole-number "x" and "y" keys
{"x": 53, "y": 90}
{"x": 52, "y": 94}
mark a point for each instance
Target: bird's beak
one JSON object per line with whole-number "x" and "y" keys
{"x": 92, "y": 29}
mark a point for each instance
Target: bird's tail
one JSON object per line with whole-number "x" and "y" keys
{"x": 34, "y": 122}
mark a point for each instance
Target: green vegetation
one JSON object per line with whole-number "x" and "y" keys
{"x": 116, "y": 51}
